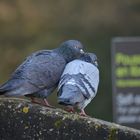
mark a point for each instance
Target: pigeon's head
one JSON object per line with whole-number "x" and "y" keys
{"x": 71, "y": 49}
{"x": 90, "y": 57}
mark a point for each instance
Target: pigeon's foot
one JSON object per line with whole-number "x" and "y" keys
{"x": 33, "y": 100}
{"x": 82, "y": 113}
{"x": 70, "y": 109}
{"x": 47, "y": 104}
{"x": 44, "y": 103}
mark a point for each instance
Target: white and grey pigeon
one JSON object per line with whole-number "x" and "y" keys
{"x": 39, "y": 74}
{"x": 79, "y": 83}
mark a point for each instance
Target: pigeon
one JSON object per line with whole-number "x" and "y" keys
{"x": 79, "y": 83}
{"x": 39, "y": 74}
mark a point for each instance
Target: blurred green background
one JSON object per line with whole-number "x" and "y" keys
{"x": 30, "y": 25}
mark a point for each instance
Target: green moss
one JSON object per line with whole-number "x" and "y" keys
{"x": 97, "y": 126}
{"x": 113, "y": 134}
{"x": 58, "y": 123}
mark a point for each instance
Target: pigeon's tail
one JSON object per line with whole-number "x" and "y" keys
{"x": 70, "y": 95}
{"x": 6, "y": 87}
{"x": 2, "y": 91}
{"x": 16, "y": 87}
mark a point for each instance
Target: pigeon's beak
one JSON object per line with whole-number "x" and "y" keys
{"x": 96, "y": 63}
{"x": 81, "y": 51}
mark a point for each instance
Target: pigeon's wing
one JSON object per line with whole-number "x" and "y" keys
{"x": 90, "y": 78}
{"x": 18, "y": 85}
{"x": 82, "y": 74}
{"x": 42, "y": 69}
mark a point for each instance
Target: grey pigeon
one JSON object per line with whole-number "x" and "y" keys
{"x": 39, "y": 74}
{"x": 79, "y": 82}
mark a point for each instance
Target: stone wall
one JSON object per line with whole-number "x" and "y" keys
{"x": 20, "y": 119}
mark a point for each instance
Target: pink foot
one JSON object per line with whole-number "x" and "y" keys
{"x": 47, "y": 104}
{"x": 33, "y": 100}
{"x": 82, "y": 113}
{"x": 70, "y": 109}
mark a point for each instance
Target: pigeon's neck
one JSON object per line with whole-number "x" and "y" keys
{"x": 64, "y": 53}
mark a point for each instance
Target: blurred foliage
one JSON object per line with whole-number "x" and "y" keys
{"x": 30, "y": 25}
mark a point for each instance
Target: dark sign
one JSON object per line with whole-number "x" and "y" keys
{"x": 126, "y": 81}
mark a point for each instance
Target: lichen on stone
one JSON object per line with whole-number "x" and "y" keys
{"x": 25, "y": 109}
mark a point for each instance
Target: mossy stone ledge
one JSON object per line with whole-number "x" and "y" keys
{"x": 20, "y": 119}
